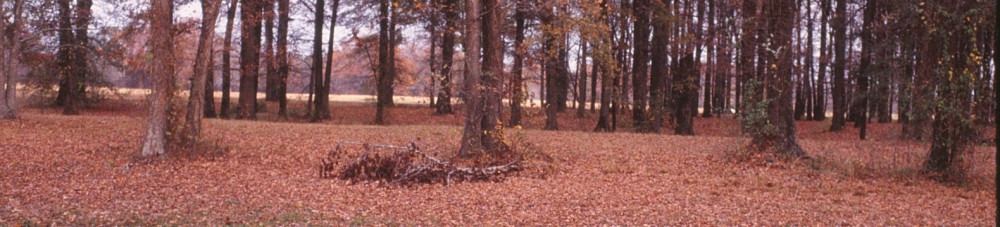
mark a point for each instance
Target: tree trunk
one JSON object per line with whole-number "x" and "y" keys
{"x": 78, "y": 76}
{"x": 707, "y": 105}
{"x": 318, "y": 113}
{"x": 209, "y": 97}
{"x": 161, "y": 43}
{"x": 603, "y": 63}
{"x": 581, "y": 82}
{"x": 777, "y": 82}
{"x": 64, "y": 55}
{"x": 282, "y": 57}
{"x": 227, "y": 72}
{"x": 196, "y": 100}
{"x": 953, "y": 130}
{"x": 640, "y": 66}
{"x": 472, "y": 134}
{"x": 250, "y": 29}
{"x": 819, "y": 99}
{"x": 867, "y": 69}
{"x": 447, "y": 53}
{"x": 552, "y": 49}
{"x": 491, "y": 85}
{"x": 323, "y": 94}
{"x": 517, "y": 77}
{"x": 839, "y": 65}
{"x": 11, "y": 41}
{"x": 270, "y": 68}
{"x": 384, "y": 82}
{"x": 684, "y": 90}
{"x": 658, "y": 69}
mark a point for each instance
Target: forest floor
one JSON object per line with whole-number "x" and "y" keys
{"x": 84, "y": 170}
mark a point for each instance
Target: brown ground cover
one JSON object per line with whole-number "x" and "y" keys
{"x": 82, "y": 170}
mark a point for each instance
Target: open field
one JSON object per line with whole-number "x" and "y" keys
{"x": 83, "y": 170}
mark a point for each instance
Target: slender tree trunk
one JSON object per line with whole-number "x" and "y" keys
{"x": 839, "y": 64}
{"x": 447, "y": 52}
{"x": 250, "y": 24}
{"x": 318, "y": 113}
{"x": 323, "y": 94}
{"x": 517, "y": 76}
{"x": 282, "y": 57}
{"x": 196, "y": 100}
{"x": 710, "y": 46}
{"x": 867, "y": 69}
{"x": 384, "y": 61}
{"x": 551, "y": 45}
{"x": 432, "y": 59}
{"x": 227, "y": 72}
{"x": 603, "y": 63}
{"x": 658, "y": 69}
{"x": 270, "y": 67}
{"x": 161, "y": 43}
{"x": 581, "y": 82}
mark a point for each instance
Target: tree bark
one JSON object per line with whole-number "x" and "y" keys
{"x": 517, "y": 83}
{"x": 552, "y": 49}
{"x": 777, "y": 82}
{"x": 11, "y": 41}
{"x": 603, "y": 63}
{"x": 318, "y": 113}
{"x": 839, "y": 65}
{"x": 384, "y": 82}
{"x": 952, "y": 127}
{"x": 658, "y": 69}
{"x": 227, "y": 72}
{"x": 472, "y": 134}
{"x": 196, "y": 100}
{"x": 447, "y": 53}
{"x": 270, "y": 66}
{"x": 640, "y": 66}
{"x": 491, "y": 85}
{"x": 250, "y": 29}
{"x": 209, "y": 97}
{"x": 161, "y": 43}
{"x": 64, "y": 55}
{"x": 282, "y": 57}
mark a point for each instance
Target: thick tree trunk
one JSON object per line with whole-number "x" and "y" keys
{"x": 250, "y": 24}
{"x": 64, "y": 55}
{"x": 839, "y": 65}
{"x": 748, "y": 50}
{"x": 658, "y": 69}
{"x": 778, "y": 80}
{"x": 78, "y": 77}
{"x": 472, "y": 134}
{"x": 282, "y": 57}
{"x": 640, "y": 66}
{"x": 227, "y": 71}
{"x": 447, "y": 53}
{"x": 953, "y": 130}
{"x": 161, "y": 43}
{"x": 684, "y": 90}
{"x": 196, "y": 100}
{"x": 11, "y": 41}
{"x": 517, "y": 76}
{"x": 491, "y": 84}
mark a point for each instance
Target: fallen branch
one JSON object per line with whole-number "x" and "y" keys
{"x": 403, "y": 165}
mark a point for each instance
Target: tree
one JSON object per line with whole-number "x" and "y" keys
{"x": 160, "y": 43}
{"x": 552, "y": 36}
{"x": 250, "y": 30}
{"x": 385, "y": 61}
{"x": 952, "y": 127}
{"x": 11, "y": 41}
{"x": 867, "y": 69}
{"x": 282, "y": 57}
{"x": 778, "y": 131}
{"x": 270, "y": 65}
{"x": 196, "y": 101}
{"x": 323, "y": 98}
{"x": 227, "y": 44}
{"x": 604, "y": 57}
{"x": 658, "y": 69}
{"x": 685, "y": 89}
{"x": 640, "y": 66}
{"x": 77, "y": 78}
{"x": 517, "y": 74}
{"x": 320, "y": 109}
{"x": 64, "y": 55}
{"x": 819, "y": 104}
{"x": 839, "y": 65}
{"x": 450, "y": 9}
{"x": 483, "y": 130}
